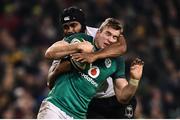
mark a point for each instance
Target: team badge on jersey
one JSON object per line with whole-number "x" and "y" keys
{"x": 94, "y": 72}
{"x": 129, "y": 111}
{"x": 75, "y": 40}
{"x": 108, "y": 62}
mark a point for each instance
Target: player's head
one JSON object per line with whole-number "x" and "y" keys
{"x": 108, "y": 32}
{"x": 73, "y": 20}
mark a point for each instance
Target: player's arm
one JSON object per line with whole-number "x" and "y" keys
{"x": 125, "y": 91}
{"x": 116, "y": 49}
{"x": 56, "y": 69}
{"x": 63, "y": 48}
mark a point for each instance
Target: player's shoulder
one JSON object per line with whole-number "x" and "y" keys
{"x": 91, "y": 31}
{"x": 120, "y": 59}
{"x": 79, "y": 37}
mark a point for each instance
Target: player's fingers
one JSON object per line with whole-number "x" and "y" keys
{"x": 83, "y": 61}
{"x": 75, "y": 55}
{"x": 137, "y": 61}
{"x": 79, "y": 59}
{"x": 133, "y": 62}
{"x": 140, "y": 62}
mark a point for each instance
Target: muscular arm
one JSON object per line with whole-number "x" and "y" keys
{"x": 110, "y": 51}
{"x": 63, "y": 48}
{"x": 114, "y": 50}
{"x": 57, "y": 69}
{"x": 124, "y": 91}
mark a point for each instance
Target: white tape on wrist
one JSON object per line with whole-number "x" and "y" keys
{"x": 134, "y": 82}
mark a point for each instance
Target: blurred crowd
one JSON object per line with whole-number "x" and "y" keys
{"x": 29, "y": 27}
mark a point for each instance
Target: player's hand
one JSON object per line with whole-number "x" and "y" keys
{"x": 136, "y": 69}
{"x": 121, "y": 38}
{"x": 85, "y": 46}
{"x": 84, "y": 57}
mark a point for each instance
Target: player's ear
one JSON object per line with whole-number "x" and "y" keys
{"x": 121, "y": 31}
{"x": 98, "y": 32}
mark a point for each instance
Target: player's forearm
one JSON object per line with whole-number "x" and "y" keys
{"x": 114, "y": 50}
{"x": 58, "y": 55}
{"x": 59, "y": 51}
{"x": 60, "y": 68}
{"x": 125, "y": 95}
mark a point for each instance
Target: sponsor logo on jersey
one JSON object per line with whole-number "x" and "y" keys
{"x": 94, "y": 72}
{"x": 108, "y": 62}
{"x": 129, "y": 111}
{"x": 89, "y": 79}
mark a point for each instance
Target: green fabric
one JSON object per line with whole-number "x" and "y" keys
{"x": 74, "y": 90}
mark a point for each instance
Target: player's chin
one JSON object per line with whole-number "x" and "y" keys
{"x": 101, "y": 46}
{"x": 104, "y": 46}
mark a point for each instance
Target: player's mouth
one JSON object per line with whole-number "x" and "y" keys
{"x": 106, "y": 44}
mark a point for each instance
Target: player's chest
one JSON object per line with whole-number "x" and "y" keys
{"x": 102, "y": 69}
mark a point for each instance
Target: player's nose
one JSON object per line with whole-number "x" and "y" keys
{"x": 70, "y": 30}
{"x": 111, "y": 40}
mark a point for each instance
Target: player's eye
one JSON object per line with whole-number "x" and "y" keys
{"x": 66, "y": 27}
{"x": 108, "y": 33}
{"x": 73, "y": 25}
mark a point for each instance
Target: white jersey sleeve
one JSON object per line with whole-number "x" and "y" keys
{"x": 91, "y": 31}
{"x": 107, "y": 90}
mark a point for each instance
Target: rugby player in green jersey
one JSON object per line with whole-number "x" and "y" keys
{"x": 73, "y": 21}
{"x": 72, "y": 92}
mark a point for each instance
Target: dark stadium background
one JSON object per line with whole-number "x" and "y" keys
{"x": 28, "y": 27}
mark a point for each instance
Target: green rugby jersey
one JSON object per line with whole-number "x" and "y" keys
{"x": 73, "y": 91}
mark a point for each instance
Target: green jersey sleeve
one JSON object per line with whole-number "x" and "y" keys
{"x": 78, "y": 37}
{"x": 120, "y": 70}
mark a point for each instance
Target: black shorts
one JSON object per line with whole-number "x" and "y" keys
{"x": 110, "y": 108}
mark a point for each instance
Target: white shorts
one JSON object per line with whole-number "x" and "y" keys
{"x": 49, "y": 111}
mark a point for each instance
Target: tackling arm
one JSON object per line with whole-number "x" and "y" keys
{"x": 56, "y": 69}
{"x": 114, "y": 50}
{"x": 63, "y": 48}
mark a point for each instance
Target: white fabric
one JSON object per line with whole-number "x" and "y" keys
{"x": 107, "y": 89}
{"x": 91, "y": 31}
{"x": 50, "y": 111}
